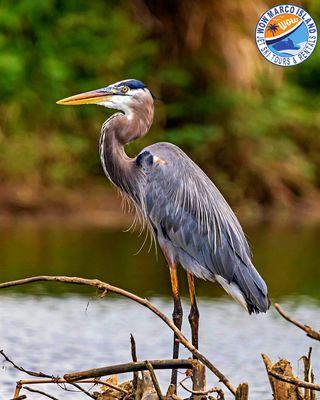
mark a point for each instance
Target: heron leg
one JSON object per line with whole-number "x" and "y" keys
{"x": 194, "y": 312}
{"x": 176, "y": 315}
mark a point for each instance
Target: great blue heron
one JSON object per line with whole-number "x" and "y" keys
{"x": 194, "y": 225}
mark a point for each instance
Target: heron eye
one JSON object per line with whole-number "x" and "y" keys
{"x": 124, "y": 89}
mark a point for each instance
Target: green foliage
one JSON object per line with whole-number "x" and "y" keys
{"x": 51, "y": 49}
{"x": 261, "y": 144}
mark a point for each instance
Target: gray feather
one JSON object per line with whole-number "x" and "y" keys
{"x": 190, "y": 215}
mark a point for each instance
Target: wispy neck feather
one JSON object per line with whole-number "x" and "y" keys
{"x": 117, "y": 131}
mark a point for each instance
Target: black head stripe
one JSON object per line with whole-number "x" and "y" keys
{"x": 133, "y": 84}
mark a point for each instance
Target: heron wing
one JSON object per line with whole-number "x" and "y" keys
{"x": 186, "y": 208}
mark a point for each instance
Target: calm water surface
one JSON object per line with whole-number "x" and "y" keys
{"x": 58, "y": 328}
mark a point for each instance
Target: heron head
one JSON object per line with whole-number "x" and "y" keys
{"x": 123, "y": 96}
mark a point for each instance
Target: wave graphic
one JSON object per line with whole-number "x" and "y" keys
{"x": 293, "y": 52}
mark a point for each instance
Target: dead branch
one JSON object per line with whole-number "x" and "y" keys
{"x": 154, "y": 380}
{"x": 146, "y": 365}
{"x": 128, "y": 367}
{"x": 134, "y": 359}
{"x": 148, "y": 391}
{"x": 31, "y": 373}
{"x": 308, "y": 375}
{"x": 204, "y": 392}
{"x": 281, "y": 389}
{"x": 295, "y": 381}
{"x": 242, "y": 391}
{"x": 309, "y": 331}
{"x": 171, "y": 392}
{"x": 45, "y": 378}
{"x": 81, "y": 389}
{"x": 283, "y": 383}
{"x": 110, "y": 385}
{"x": 40, "y": 392}
{"x": 198, "y": 379}
{"x": 62, "y": 380}
{"x": 105, "y": 287}
{"x": 22, "y": 397}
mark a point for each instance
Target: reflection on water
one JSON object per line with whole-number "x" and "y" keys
{"x": 287, "y": 258}
{"x": 50, "y": 330}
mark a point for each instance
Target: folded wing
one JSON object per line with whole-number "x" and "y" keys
{"x": 187, "y": 209}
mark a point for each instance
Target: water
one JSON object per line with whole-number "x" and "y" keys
{"x": 59, "y": 328}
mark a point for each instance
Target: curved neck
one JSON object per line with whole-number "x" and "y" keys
{"x": 117, "y": 131}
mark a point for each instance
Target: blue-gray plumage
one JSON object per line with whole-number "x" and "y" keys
{"x": 180, "y": 205}
{"x": 194, "y": 222}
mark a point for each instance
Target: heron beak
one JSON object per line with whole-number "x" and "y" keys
{"x": 92, "y": 97}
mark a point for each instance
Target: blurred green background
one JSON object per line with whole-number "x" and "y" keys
{"x": 252, "y": 126}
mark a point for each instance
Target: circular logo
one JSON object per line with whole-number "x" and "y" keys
{"x": 286, "y": 35}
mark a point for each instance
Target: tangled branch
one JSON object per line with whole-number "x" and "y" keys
{"x": 105, "y": 288}
{"x": 204, "y": 392}
{"x": 294, "y": 381}
{"x": 61, "y": 382}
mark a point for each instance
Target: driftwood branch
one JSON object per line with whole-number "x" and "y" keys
{"x": 104, "y": 383}
{"x": 308, "y": 375}
{"x": 81, "y": 389}
{"x": 46, "y": 378}
{"x": 105, "y": 288}
{"x": 63, "y": 381}
{"x": 134, "y": 359}
{"x": 154, "y": 380}
{"x": 281, "y": 389}
{"x": 284, "y": 384}
{"x": 147, "y": 365}
{"x": 198, "y": 379}
{"x": 295, "y": 381}
{"x": 242, "y": 392}
{"x": 204, "y": 392}
{"x": 128, "y": 367}
{"x": 307, "y": 329}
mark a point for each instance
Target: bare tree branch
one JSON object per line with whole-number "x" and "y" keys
{"x": 134, "y": 358}
{"x": 128, "y": 367}
{"x": 105, "y": 287}
{"x": 81, "y": 389}
{"x": 31, "y": 373}
{"x": 154, "y": 380}
{"x": 295, "y": 381}
{"x": 290, "y": 379}
{"x": 309, "y": 331}
{"x": 94, "y": 381}
{"x": 113, "y": 386}
{"x": 243, "y": 391}
{"x": 45, "y": 378}
{"x": 204, "y": 392}
{"x": 40, "y": 392}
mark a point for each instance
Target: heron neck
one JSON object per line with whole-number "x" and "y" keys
{"x": 116, "y": 132}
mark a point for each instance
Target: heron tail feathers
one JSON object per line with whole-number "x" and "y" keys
{"x": 248, "y": 289}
